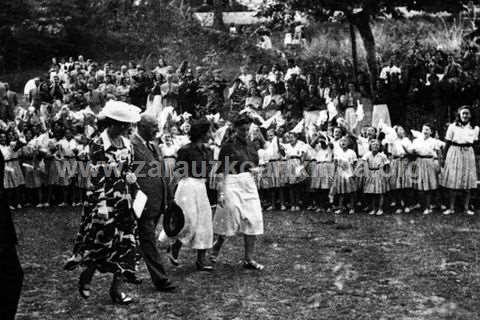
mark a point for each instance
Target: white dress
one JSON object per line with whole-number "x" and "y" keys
{"x": 426, "y": 169}
{"x": 344, "y": 180}
{"x": 460, "y": 170}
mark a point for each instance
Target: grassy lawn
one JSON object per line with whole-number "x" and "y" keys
{"x": 318, "y": 267}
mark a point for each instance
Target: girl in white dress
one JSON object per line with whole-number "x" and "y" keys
{"x": 321, "y": 173}
{"x": 295, "y": 152}
{"x": 377, "y": 178}
{"x": 427, "y": 151}
{"x": 82, "y": 181}
{"x": 460, "y": 172}
{"x": 274, "y": 173}
{"x": 401, "y": 179}
{"x": 169, "y": 154}
{"x": 13, "y": 175}
{"x": 345, "y": 182}
{"x": 31, "y": 172}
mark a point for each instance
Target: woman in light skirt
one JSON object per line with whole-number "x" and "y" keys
{"x": 192, "y": 167}
{"x": 239, "y": 208}
{"x": 459, "y": 171}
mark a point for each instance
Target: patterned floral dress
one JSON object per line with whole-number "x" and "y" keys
{"x": 108, "y": 231}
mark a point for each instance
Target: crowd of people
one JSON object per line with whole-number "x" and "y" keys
{"x": 300, "y": 117}
{"x": 287, "y": 137}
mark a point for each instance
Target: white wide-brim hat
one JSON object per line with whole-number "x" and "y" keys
{"x": 120, "y": 111}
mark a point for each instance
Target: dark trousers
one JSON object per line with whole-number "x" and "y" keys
{"x": 150, "y": 252}
{"x": 11, "y": 279}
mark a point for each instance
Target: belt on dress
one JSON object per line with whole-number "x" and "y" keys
{"x": 324, "y": 161}
{"x": 373, "y": 169}
{"x": 295, "y": 157}
{"x": 11, "y": 160}
{"x": 169, "y": 157}
{"x": 426, "y": 157}
{"x": 398, "y": 157}
{"x": 273, "y": 160}
{"x": 462, "y": 145}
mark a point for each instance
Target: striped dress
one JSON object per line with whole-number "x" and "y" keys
{"x": 377, "y": 180}
{"x": 401, "y": 177}
{"x": 426, "y": 168}
{"x": 295, "y": 168}
{"x": 460, "y": 172}
{"x": 274, "y": 165}
{"x": 13, "y": 175}
{"x": 322, "y": 169}
{"x": 344, "y": 179}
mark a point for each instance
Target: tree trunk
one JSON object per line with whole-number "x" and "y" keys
{"x": 353, "y": 39}
{"x": 362, "y": 22}
{"x": 218, "y": 15}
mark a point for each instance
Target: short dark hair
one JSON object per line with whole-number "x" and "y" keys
{"x": 199, "y": 129}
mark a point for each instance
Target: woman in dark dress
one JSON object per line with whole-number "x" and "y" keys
{"x": 107, "y": 240}
{"x": 239, "y": 208}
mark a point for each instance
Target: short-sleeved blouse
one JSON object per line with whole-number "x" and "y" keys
{"x": 462, "y": 134}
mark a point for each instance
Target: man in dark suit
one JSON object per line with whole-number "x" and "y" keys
{"x": 11, "y": 273}
{"x": 154, "y": 185}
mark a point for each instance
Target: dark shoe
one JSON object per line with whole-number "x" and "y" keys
{"x": 165, "y": 286}
{"x": 203, "y": 267}
{"x": 120, "y": 298}
{"x": 84, "y": 290}
{"x": 133, "y": 279}
{"x": 84, "y": 283}
{"x": 253, "y": 265}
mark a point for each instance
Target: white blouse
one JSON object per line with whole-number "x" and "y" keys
{"x": 426, "y": 147}
{"x": 398, "y": 147}
{"x": 462, "y": 134}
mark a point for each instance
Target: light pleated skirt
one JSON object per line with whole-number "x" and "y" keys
{"x": 425, "y": 174}
{"x": 401, "y": 177}
{"x": 13, "y": 175}
{"x": 242, "y": 212}
{"x": 343, "y": 184}
{"x": 460, "y": 171}
{"x": 272, "y": 174}
{"x": 295, "y": 171}
{"x": 321, "y": 175}
{"x": 376, "y": 181}
{"x": 32, "y": 175}
{"x": 191, "y": 196}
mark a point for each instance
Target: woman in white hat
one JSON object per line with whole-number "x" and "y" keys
{"x": 106, "y": 240}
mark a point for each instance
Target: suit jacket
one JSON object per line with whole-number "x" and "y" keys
{"x": 8, "y": 236}
{"x": 148, "y": 166}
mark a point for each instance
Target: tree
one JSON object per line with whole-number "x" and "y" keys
{"x": 361, "y": 14}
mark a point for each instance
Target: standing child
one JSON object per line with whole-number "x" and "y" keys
{"x": 322, "y": 172}
{"x": 66, "y": 151}
{"x": 345, "y": 183}
{"x": 460, "y": 172}
{"x": 377, "y": 182}
{"x": 427, "y": 150}
{"x": 169, "y": 154}
{"x": 13, "y": 176}
{"x": 274, "y": 170}
{"x": 82, "y": 180}
{"x": 31, "y": 169}
{"x": 401, "y": 180}
{"x": 295, "y": 151}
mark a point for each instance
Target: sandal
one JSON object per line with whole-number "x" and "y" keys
{"x": 253, "y": 265}
{"x": 120, "y": 298}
